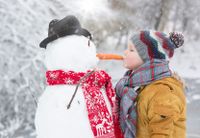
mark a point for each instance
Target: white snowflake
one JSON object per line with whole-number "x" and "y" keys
{"x": 102, "y": 74}
{"x": 85, "y": 85}
{"x": 54, "y": 75}
{"x": 95, "y": 119}
{"x": 69, "y": 81}
{"x": 90, "y": 102}
{"x": 100, "y": 99}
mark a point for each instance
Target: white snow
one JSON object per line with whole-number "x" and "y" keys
{"x": 71, "y": 53}
{"x": 196, "y": 97}
{"x": 186, "y": 60}
{"x": 54, "y": 120}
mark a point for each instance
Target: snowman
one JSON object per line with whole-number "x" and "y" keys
{"x": 78, "y": 100}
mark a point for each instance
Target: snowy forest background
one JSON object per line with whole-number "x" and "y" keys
{"x": 24, "y": 24}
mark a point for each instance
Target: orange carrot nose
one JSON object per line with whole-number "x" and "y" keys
{"x": 103, "y": 56}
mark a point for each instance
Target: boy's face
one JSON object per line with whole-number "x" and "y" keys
{"x": 132, "y": 60}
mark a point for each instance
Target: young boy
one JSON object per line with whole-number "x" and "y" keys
{"x": 152, "y": 101}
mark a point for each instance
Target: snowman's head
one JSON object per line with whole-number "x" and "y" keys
{"x": 67, "y": 46}
{"x": 71, "y": 53}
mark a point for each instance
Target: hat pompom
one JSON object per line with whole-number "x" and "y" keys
{"x": 177, "y": 39}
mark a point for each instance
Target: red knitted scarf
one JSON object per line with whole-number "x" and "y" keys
{"x": 101, "y": 121}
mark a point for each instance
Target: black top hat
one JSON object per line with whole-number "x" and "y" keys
{"x": 66, "y": 26}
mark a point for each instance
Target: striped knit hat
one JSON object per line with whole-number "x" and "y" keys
{"x": 156, "y": 45}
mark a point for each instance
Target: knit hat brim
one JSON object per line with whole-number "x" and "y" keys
{"x": 140, "y": 46}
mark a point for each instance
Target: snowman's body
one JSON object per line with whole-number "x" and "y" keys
{"x": 53, "y": 119}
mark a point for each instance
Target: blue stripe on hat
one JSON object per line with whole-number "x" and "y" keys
{"x": 154, "y": 46}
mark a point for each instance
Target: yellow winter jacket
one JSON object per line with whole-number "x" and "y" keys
{"x": 161, "y": 109}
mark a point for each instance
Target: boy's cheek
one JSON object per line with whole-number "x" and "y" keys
{"x": 127, "y": 65}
